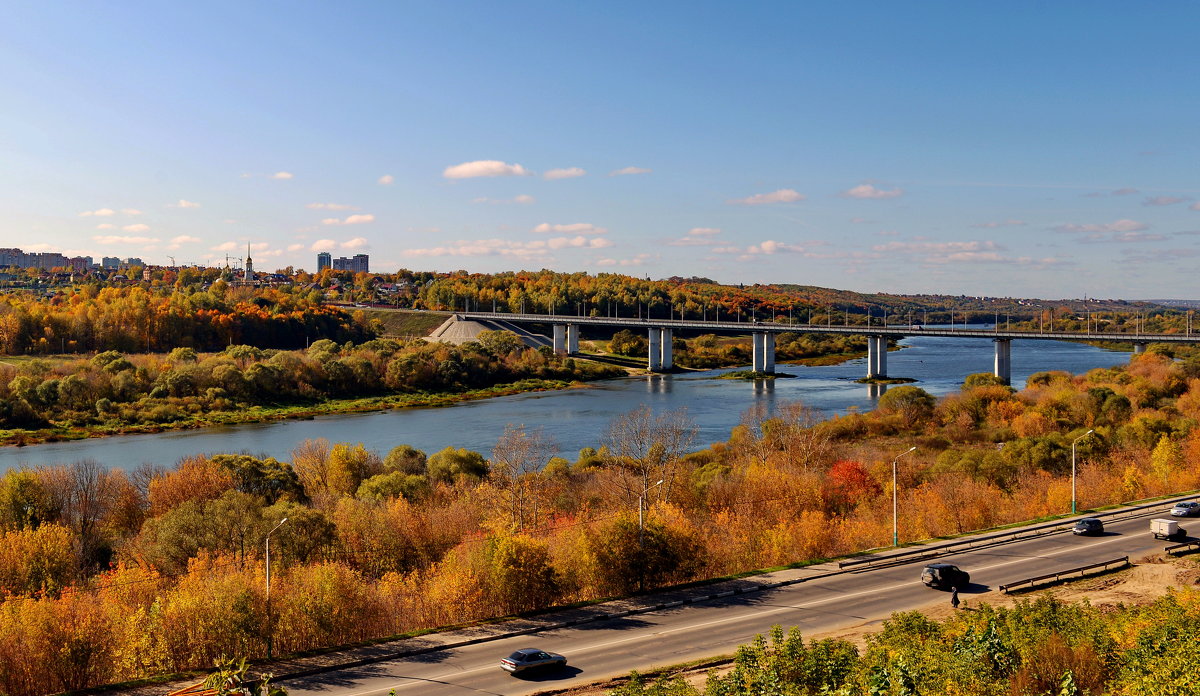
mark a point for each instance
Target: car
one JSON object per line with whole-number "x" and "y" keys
{"x": 1088, "y": 526}
{"x": 527, "y": 659}
{"x": 1188, "y": 508}
{"x": 943, "y": 576}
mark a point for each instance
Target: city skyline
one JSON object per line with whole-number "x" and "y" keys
{"x": 1026, "y": 151}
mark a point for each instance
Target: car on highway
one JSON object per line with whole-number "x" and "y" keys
{"x": 1188, "y": 508}
{"x": 1088, "y": 526}
{"x": 529, "y": 659}
{"x": 944, "y": 576}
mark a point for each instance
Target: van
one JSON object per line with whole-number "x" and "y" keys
{"x": 1167, "y": 529}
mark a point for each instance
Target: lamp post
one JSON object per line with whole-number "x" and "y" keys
{"x": 270, "y": 628}
{"x": 1073, "y": 467}
{"x": 895, "y": 517}
{"x": 642, "y": 536}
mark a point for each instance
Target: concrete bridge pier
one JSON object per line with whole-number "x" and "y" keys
{"x": 1138, "y": 349}
{"x": 668, "y": 360}
{"x": 572, "y": 339}
{"x": 1003, "y": 365}
{"x": 655, "y": 352}
{"x": 764, "y": 353}
{"x": 876, "y": 356}
{"x": 560, "y": 339}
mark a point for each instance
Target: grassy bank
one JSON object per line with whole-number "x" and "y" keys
{"x": 263, "y": 414}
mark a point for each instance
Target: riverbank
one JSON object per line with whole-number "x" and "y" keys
{"x": 266, "y": 414}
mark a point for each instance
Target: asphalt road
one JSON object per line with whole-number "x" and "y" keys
{"x": 610, "y": 648}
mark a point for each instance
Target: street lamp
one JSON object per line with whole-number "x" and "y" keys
{"x": 270, "y": 631}
{"x": 641, "y": 516}
{"x": 642, "y": 537}
{"x": 895, "y": 523}
{"x": 1073, "y": 467}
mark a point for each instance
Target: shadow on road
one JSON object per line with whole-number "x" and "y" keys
{"x": 550, "y": 675}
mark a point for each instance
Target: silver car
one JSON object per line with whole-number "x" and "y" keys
{"x": 1188, "y": 508}
{"x": 531, "y": 659}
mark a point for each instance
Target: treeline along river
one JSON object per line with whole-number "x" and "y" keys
{"x": 577, "y": 418}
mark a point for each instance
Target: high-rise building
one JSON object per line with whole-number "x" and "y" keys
{"x": 110, "y": 263}
{"x": 324, "y": 261}
{"x": 359, "y": 264}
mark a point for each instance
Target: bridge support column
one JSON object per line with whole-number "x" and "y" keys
{"x": 1138, "y": 349}
{"x": 668, "y": 360}
{"x": 876, "y": 356}
{"x": 572, "y": 339}
{"x": 655, "y": 340}
{"x": 560, "y": 339}
{"x": 1003, "y": 365}
{"x": 768, "y": 353}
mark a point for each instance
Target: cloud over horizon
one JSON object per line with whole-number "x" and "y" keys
{"x": 868, "y": 191}
{"x": 484, "y": 168}
{"x": 780, "y": 196}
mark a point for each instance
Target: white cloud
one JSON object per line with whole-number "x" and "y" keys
{"x": 638, "y": 260}
{"x": 1194, "y": 206}
{"x": 703, "y": 231}
{"x": 102, "y": 212}
{"x": 106, "y": 226}
{"x": 771, "y": 246}
{"x": 629, "y": 170}
{"x": 131, "y": 211}
{"x": 1162, "y": 200}
{"x": 139, "y": 227}
{"x": 780, "y": 196}
{"x": 568, "y": 173}
{"x": 185, "y": 239}
{"x": 470, "y": 170}
{"x": 356, "y": 243}
{"x": 259, "y": 246}
{"x": 521, "y": 199}
{"x": 329, "y": 206}
{"x": 572, "y": 228}
{"x": 1122, "y": 225}
{"x": 123, "y": 239}
{"x": 578, "y": 242}
{"x": 184, "y": 204}
{"x": 324, "y": 245}
{"x": 351, "y": 220}
{"x": 295, "y": 247}
{"x": 485, "y": 247}
{"x": 386, "y": 179}
{"x": 1005, "y": 223}
{"x": 227, "y": 246}
{"x": 869, "y": 191}
{"x": 281, "y": 175}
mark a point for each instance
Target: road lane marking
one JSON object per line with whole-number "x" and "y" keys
{"x": 415, "y": 681}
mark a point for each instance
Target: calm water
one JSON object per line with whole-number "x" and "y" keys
{"x": 577, "y": 418}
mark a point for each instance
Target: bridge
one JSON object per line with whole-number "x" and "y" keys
{"x": 660, "y": 331}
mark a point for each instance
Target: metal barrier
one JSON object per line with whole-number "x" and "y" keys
{"x": 1124, "y": 561}
{"x": 973, "y": 542}
{"x": 1185, "y": 547}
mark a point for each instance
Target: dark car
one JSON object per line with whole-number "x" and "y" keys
{"x": 943, "y": 576}
{"x": 1088, "y": 526}
{"x": 527, "y": 659}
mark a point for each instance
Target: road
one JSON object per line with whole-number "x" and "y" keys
{"x": 610, "y": 648}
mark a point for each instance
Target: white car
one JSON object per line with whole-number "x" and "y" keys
{"x": 1188, "y": 508}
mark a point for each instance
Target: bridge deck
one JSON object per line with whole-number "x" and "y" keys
{"x": 771, "y": 327}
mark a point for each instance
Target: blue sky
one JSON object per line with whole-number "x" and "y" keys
{"x": 1013, "y": 149}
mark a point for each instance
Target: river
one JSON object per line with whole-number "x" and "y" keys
{"x": 577, "y": 418}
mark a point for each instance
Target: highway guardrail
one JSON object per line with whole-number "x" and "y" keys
{"x": 975, "y": 542}
{"x": 1055, "y": 577}
{"x": 1185, "y": 547}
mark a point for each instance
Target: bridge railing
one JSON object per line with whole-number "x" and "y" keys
{"x": 1055, "y": 577}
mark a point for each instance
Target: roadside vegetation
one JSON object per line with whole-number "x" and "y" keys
{"x": 1042, "y": 646}
{"x": 113, "y": 393}
{"x": 113, "y": 575}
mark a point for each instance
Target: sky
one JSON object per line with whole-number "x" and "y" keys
{"x": 1017, "y": 149}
